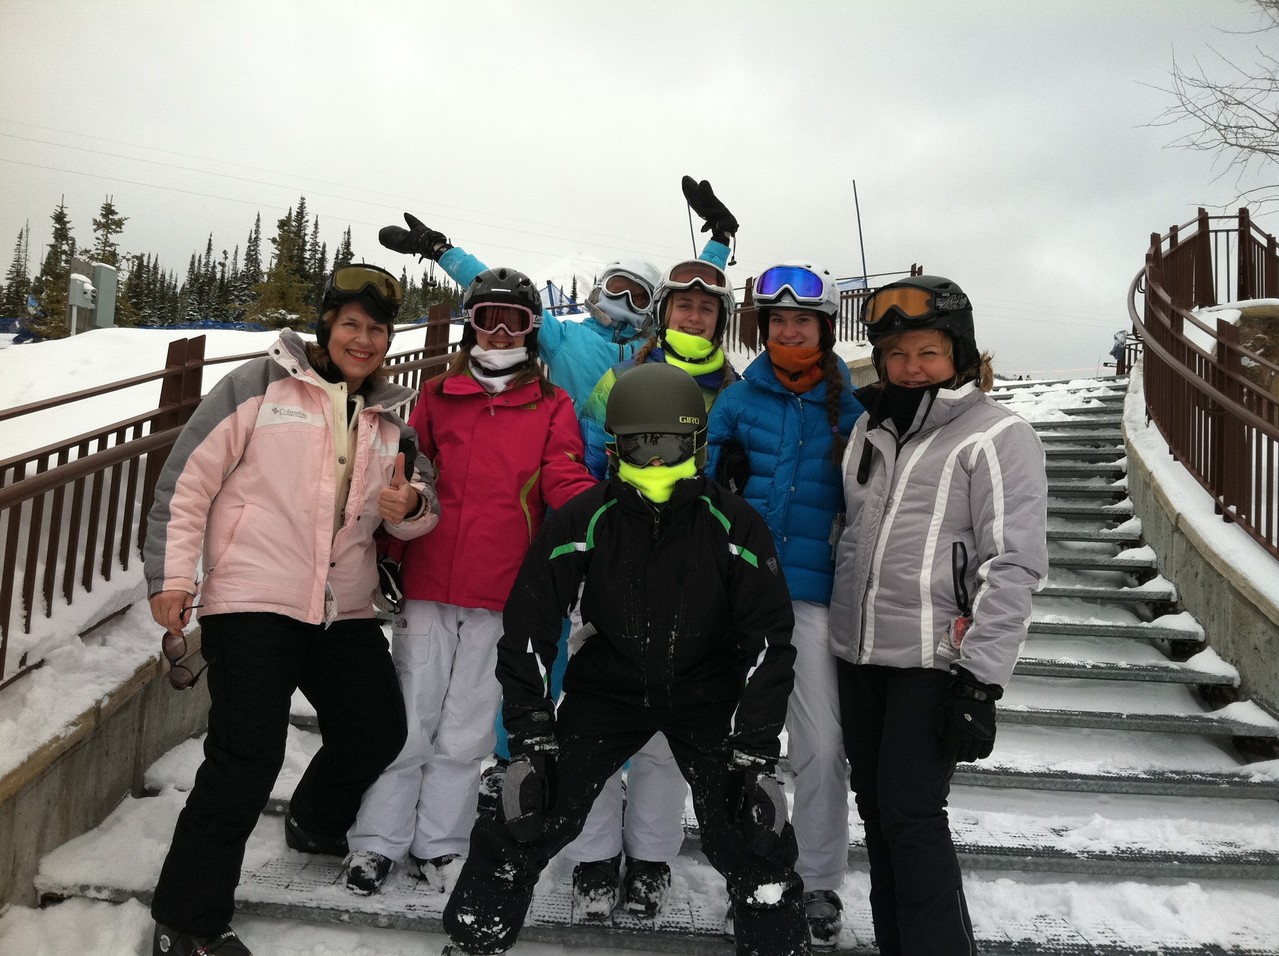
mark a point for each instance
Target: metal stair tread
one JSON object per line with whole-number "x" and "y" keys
{"x": 1086, "y": 489}
{"x": 1076, "y": 509}
{"x": 1152, "y": 631}
{"x": 1168, "y": 722}
{"x": 1100, "y": 562}
{"x": 1094, "y": 469}
{"x": 1152, "y": 592}
{"x": 1115, "y": 535}
{"x": 1169, "y": 671}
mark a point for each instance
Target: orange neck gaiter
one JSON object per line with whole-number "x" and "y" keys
{"x": 797, "y": 369}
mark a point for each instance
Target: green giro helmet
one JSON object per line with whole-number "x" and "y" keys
{"x": 660, "y": 399}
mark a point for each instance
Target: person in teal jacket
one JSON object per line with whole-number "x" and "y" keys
{"x": 776, "y": 438}
{"x": 577, "y": 353}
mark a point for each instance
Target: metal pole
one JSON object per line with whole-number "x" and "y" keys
{"x": 858, "y": 208}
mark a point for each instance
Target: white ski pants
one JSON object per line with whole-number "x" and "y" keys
{"x": 815, "y": 745}
{"x": 652, "y": 827}
{"x": 425, "y": 801}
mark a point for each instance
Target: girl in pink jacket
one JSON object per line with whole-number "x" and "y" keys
{"x": 505, "y": 445}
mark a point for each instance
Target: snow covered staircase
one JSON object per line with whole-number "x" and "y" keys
{"x": 1131, "y": 806}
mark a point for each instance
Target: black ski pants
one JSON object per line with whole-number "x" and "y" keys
{"x": 256, "y": 661}
{"x": 596, "y": 736}
{"x": 900, "y": 775}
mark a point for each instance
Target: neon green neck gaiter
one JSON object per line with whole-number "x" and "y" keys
{"x": 656, "y": 482}
{"x": 694, "y": 354}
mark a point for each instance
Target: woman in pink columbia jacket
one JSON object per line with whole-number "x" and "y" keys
{"x": 277, "y": 485}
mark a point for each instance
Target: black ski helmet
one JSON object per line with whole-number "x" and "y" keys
{"x": 656, "y": 397}
{"x": 502, "y": 286}
{"x": 948, "y": 310}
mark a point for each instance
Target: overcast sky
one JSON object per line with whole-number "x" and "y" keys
{"x": 1006, "y": 144}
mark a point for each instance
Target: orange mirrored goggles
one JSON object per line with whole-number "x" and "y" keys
{"x": 912, "y": 304}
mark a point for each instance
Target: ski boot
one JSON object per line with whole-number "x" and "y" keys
{"x": 595, "y": 887}
{"x": 366, "y": 872}
{"x": 822, "y": 909}
{"x": 169, "y": 942}
{"x": 645, "y": 887}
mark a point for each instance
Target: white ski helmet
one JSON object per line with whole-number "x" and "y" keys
{"x": 624, "y": 307}
{"x": 797, "y": 284}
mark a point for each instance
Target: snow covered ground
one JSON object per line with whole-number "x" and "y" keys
{"x": 78, "y": 672}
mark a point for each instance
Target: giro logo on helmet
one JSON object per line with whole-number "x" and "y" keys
{"x": 689, "y": 420}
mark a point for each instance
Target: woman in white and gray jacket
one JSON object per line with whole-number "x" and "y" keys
{"x": 946, "y": 499}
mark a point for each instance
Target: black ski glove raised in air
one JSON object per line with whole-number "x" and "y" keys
{"x": 419, "y": 239}
{"x": 719, "y": 222}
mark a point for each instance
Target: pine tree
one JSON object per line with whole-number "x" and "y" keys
{"x": 344, "y": 256}
{"x": 50, "y": 286}
{"x": 106, "y": 227}
{"x": 240, "y": 295}
{"x": 283, "y": 298}
{"x": 17, "y": 281}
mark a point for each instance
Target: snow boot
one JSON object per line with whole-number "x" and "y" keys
{"x": 646, "y": 887}
{"x": 822, "y": 908}
{"x": 307, "y": 842}
{"x": 440, "y": 872}
{"x": 595, "y": 887}
{"x": 491, "y": 788}
{"x": 169, "y": 942}
{"x": 366, "y": 871}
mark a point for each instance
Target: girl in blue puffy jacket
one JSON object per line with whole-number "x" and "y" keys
{"x": 776, "y": 438}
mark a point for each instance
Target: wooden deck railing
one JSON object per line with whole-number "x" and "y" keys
{"x": 72, "y": 513}
{"x": 1215, "y": 401}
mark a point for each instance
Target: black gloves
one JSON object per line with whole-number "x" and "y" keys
{"x": 528, "y": 789}
{"x": 734, "y": 467}
{"x": 418, "y": 239}
{"x": 720, "y": 223}
{"x": 756, "y": 807}
{"x": 966, "y": 722}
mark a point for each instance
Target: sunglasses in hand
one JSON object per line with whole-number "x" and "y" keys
{"x": 174, "y": 647}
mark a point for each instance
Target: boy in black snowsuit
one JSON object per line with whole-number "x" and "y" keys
{"x": 689, "y": 622}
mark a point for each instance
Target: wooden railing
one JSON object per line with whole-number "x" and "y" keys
{"x": 73, "y": 513}
{"x": 1215, "y": 401}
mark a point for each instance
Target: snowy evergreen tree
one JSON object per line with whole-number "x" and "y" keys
{"x": 283, "y": 296}
{"x": 50, "y": 286}
{"x": 106, "y": 227}
{"x": 17, "y": 280}
{"x": 344, "y": 256}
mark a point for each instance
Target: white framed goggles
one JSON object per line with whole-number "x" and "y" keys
{"x": 622, "y": 284}
{"x": 697, "y": 272}
{"x": 491, "y": 316}
{"x": 805, "y": 286}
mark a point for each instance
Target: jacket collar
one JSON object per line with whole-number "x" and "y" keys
{"x": 290, "y": 353}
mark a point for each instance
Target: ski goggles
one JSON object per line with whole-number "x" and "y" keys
{"x": 491, "y": 316}
{"x": 697, "y": 272}
{"x": 804, "y": 285}
{"x": 174, "y": 647}
{"x": 642, "y": 449}
{"x": 620, "y": 284}
{"x": 913, "y": 306}
{"x": 350, "y": 282}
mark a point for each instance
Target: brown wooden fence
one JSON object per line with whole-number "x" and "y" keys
{"x": 73, "y": 513}
{"x": 1215, "y": 401}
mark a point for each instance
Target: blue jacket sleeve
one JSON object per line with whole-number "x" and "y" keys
{"x": 461, "y": 266}
{"x": 714, "y": 252}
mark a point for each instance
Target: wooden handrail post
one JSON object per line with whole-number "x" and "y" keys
{"x": 1246, "y": 283}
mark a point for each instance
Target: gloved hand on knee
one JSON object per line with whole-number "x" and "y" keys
{"x": 527, "y": 790}
{"x": 756, "y": 807}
